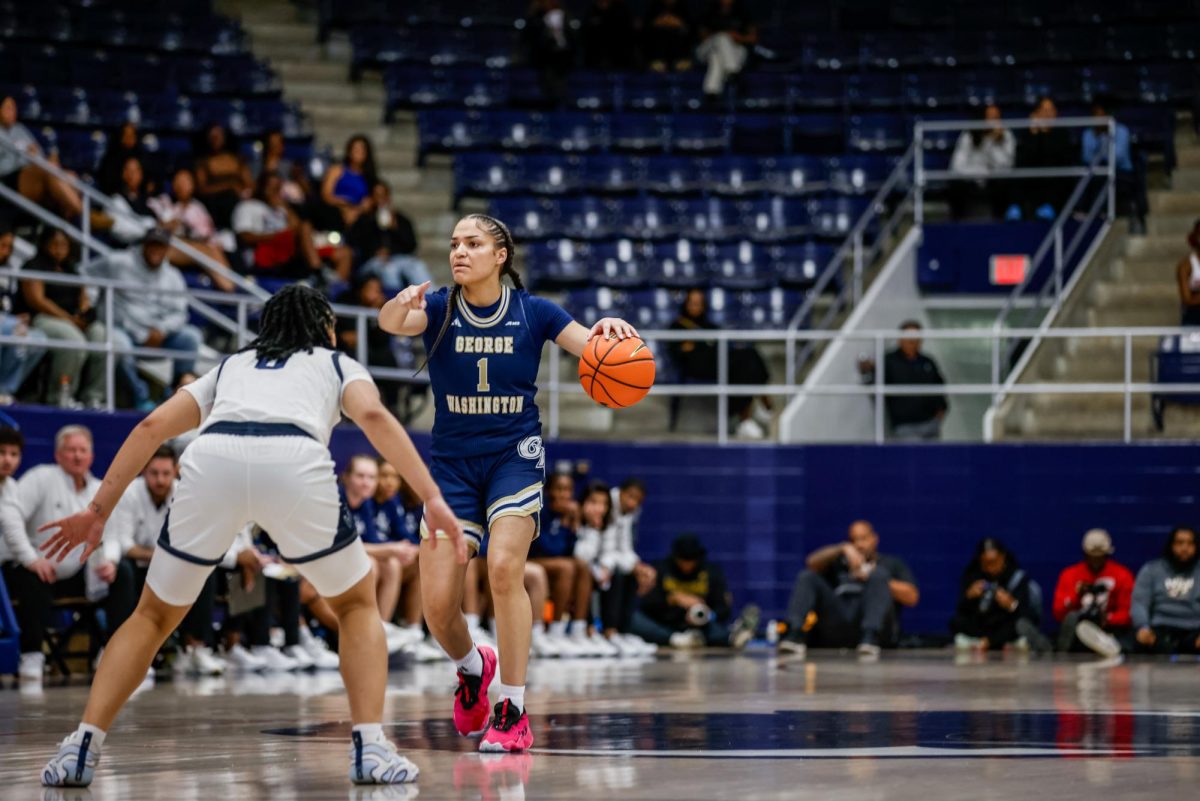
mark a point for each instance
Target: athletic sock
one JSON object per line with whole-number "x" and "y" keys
{"x": 514, "y": 694}
{"x": 472, "y": 621}
{"x": 578, "y": 628}
{"x": 370, "y": 732}
{"x": 472, "y": 663}
{"x": 98, "y": 734}
{"x": 415, "y": 627}
{"x": 558, "y": 628}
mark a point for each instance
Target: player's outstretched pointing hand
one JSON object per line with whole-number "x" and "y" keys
{"x": 85, "y": 526}
{"x": 413, "y": 297}
{"x": 440, "y": 519}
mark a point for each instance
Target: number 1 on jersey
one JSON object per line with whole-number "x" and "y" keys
{"x": 483, "y": 382}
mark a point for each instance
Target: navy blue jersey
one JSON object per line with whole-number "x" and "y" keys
{"x": 556, "y": 539}
{"x": 364, "y": 518}
{"x": 395, "y": 523}
{"x": 484, "y": 373}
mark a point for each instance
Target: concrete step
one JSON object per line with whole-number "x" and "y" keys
{"x": 260, "y": 11}
{"x": 1141, "y": 270}
{"x": 1186, "y": 179}
{"x": 1189, "y": 156}
{"x": 1164, "y": 313}
{"x": 310, "y": 70}
{"x": 281, "y": 30}
{"x": 1110, "y": 295}
{"x": 273, "y": 50}
{"x": 1166, "y": 249}
{"x": 344, "y": 114}
{"x": 1178, "y": 225}
{"x": 334, "y": 93}
{"x": 1175, "y": 202}
{"x": 336, "y": 131}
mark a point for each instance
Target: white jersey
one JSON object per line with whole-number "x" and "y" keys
{"x": 136, "y": 520}
{"x": 304, "y": 390}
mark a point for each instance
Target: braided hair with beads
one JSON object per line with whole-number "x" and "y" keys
{"x": 500, "y": 234}
{"x": 296, "y": 318}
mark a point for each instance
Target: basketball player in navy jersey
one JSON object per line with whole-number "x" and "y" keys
{"x": 484, "y": 341}
{"x": 265, "y": 416}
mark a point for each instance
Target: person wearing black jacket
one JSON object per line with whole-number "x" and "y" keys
{"x": 690, "y": 602}
{"x": 912, "y": 417}
{"x": 998, "y": 603}
{"x": 1046, "y": 147}
{"x": 386, "y": 242}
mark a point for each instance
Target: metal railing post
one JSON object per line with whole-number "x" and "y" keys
{"x": 554, "y": 392}
{"x": 241, "y": 323}
{"x": 879, "y": 389}
{"x": 858, "y": 269}
{"x": 723, "y": 390}
{"x": 789, "y": 354}
{"x": 919, "y": 173}
{"x": 86, "y": 226}
{"x": 1112, "y": 169}
{"x": 110, "y": 362}
{"x": 1128, "y": 380}
{"x": 360, "y": 333}
{"x": 1058, "y": 258}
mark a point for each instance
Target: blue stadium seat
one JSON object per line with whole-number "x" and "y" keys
{"x": 527, "y": 217}
{"x": 762, "y": 91}
{"x": 578, "y": 132}
{"x": 815, "y": 91}
{"x": 856, "y": 175}
{"x": 613, "y": 174}
{"x": 795, "y": 175}
{"x": 877, "y": 90}
{"x": 878, "y": 133}
{"x": 814, "y": 133}
{"x": 590, "y": 91}
{"x": 986, "y": 87}
{"x": 550, "y": 174}
{"x": 486, "y": 174}
{"x": 81, "y": 151}
{"x": 519, "y": 130}
{"x": 929, "y": 90}
{"x": 774, "y": 219}
{"x": 699, "y": 133}
{"x": 557, "y": 264}
{"x": 1116, "y": 81}
{"x": 639, "y": 133}
{"x": 741, "y": 265}
{"x": 767, "y": 309}
{"x": 446, "y": 131}
{"x": 592, "y": 304}
{"x": 674, "y": 175}
{"x": 618, "y": 263}
{"x": 585, "y": 218}
{"x": 832, "y": 218}
{"x": 645, "y": 218}
{"x": 1057, "y": 82}
{"x": 706, "y": 218}
{"x": 799, "y": 266}
{"x": 732, "y": 175}
{"x": 679, "y": 264}
{"x": 648, "y": 92}
{"x": 654, "y": 309}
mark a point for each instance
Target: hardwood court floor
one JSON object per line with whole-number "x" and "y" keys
{"x": 915, "y": 725}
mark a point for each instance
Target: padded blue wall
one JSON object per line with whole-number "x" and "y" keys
{"x": 760, "y": 509}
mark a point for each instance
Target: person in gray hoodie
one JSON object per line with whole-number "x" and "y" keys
{"x": 155, "y": 315}
{"x": 1166, "y": 598}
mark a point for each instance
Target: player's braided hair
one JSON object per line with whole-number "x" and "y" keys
{"x": 296, "y": 318}
{"x": 500, "y": 234}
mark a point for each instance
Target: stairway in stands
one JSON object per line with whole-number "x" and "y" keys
{"x": 317, "y": 76}
{"x": 1132, "y": 283}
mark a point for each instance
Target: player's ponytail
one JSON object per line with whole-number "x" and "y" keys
{"x": 501, "y": 238}
{"x": 296, "y": 318}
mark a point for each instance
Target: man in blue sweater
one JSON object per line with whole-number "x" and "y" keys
{"x": 1166, "y": 598}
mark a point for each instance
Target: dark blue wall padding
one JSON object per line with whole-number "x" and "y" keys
{"x": 760, "y": 509}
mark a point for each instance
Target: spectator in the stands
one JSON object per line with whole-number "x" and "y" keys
{"x": 347, "y": 186}
{"x": 12, "y": 446}
{"x": 912, "y": 417}
{"x": 132, "y": 216}
{"x": 668, "y": 36}
{"x": 155, "y": 315}
{"x": 856, "y": 594}
{"x": 222, "y": 176}
{"x": 1092, "y": 599}
{"x": 385, "y": 241}
{"x": 275, "y": 241}
{"x": 998, "y": 604}
{"x": 690, "y": 603}
{"x": 64, "y": 312}
{"x": 1131, "y": 183}
{"x": 1166, "y": 598}
{"x": 16, "y": 361}
{"x": 273, "y": 158}
{"x": 727, "y": 34}
{"x": 1046, "y": 147}
{"x": 697, "y": 362}
{"x": 17, "y": 173}
{"x": 382, "y": 349}
{"x": 48, "y": 492}
{"x": 398, "y": 520}
{"x": 550, "y": 47}
{"x": 608, "y": 31}
{"x": 1187, "y": 273}
{"x": 978, "y": 154}
{"x": 122, "y": 145}
{"x": 181, "y": 213}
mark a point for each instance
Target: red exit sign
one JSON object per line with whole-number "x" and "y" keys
{"x": 1008, "y": 270}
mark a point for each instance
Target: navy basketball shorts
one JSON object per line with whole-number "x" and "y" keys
{"x": 483, "y": 489}
{"x": 285, "y": 484}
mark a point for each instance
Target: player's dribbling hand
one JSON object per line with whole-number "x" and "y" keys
{"x": 439, "y": 518}
{"x": 413, "y": 297}
{"x": 609, "y": 326}
{"x": 86, "y": 527}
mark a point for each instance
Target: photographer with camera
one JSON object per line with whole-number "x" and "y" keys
{"x": 998, "y": 605}
{"x": 1092, "y": 600}
{"x": 690, "y": 603}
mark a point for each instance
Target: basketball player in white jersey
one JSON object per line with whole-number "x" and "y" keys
{"x": 265, "y": 417}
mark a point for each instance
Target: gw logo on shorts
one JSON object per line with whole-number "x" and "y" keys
{"x": 531, "y": 448}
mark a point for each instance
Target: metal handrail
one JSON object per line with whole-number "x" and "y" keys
{"x": 91, "y": 194}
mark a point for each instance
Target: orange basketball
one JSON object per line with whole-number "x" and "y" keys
{"x": 616, "y": 372}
